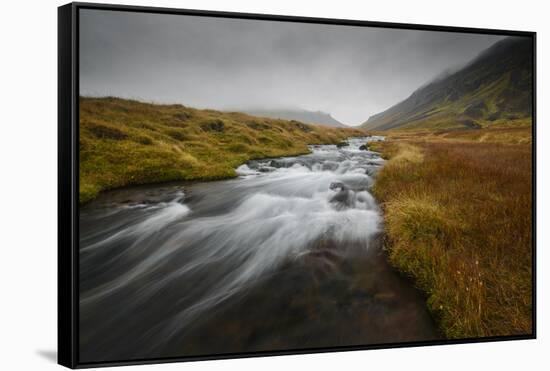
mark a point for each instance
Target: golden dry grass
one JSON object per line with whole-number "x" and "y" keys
{"x": 458, "y": 220}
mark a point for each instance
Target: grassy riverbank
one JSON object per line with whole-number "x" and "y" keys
{"x": 126, "y": 142}
{"x": 457, "y": 208}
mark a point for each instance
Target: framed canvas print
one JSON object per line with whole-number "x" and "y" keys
{"x": 235, "y": 185}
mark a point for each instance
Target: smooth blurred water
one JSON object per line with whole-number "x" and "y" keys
{"x": 287, "y": 256}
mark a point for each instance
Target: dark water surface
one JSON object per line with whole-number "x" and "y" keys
{"x": 287, "y": 256}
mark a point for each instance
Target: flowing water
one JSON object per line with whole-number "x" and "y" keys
{"x": 286, "y": 256}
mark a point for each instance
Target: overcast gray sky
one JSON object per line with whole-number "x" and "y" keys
{"x": 204, "y": 62}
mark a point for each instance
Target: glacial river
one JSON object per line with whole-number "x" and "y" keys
{"x": 286, "y": 256}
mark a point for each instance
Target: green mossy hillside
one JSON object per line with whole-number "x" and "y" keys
{"x": 493, "y": 88}
{"x": 126, "y": 142}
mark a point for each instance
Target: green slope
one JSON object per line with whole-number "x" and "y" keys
{"x": 493, "y": 88}
{"x": 125, "y": 142}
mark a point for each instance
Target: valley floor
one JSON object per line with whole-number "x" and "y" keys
{"x": 457, "y": 203}
{"x": 458, "y": 219}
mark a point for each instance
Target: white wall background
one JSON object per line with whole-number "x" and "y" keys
{"x": 28, "y": 152}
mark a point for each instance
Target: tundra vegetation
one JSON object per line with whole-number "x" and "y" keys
{"x": 457, "y": 207}
{"x": 126, "y": 142}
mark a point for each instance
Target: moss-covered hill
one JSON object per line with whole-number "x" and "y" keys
{"x": 126, "y": 142}
{"x": 494, "y": 88}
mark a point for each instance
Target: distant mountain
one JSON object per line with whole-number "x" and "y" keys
{"x": 497, "y": 85}
{"x": 309, "y": 117}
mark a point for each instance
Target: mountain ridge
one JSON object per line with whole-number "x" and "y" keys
{"x": 496, "y": 85}
{"x": 306, "y": 116}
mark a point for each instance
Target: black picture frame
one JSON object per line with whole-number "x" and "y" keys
{"x": 68, "y": 179}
